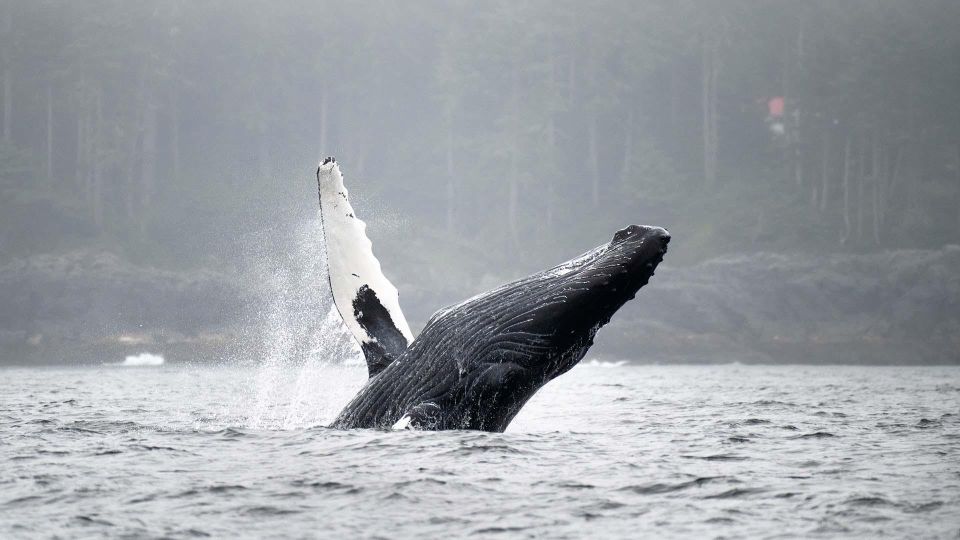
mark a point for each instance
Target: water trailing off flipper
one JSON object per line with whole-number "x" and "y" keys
{"x": 478, "y": 362}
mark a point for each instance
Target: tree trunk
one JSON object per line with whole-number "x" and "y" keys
{"x": 175, "y": 131}
{"x": 361, "y": 160}
{"x": 861, "y": 174}
{"x": 894, "y": 180}
{"x": 133, "y": 163}
{"x": 148, "y": 171}
{"x": 90, "y": 135}
{"x": 513, "y": 194}
{"x": 49, "y": 130}
{"x": 674, "y": 134}
{"x": 551, "y": 182}
{"x": 96, "y": 181}
{"x": 81, "y": 144}
{"x": 714, "y": 130}
{"x": 7, "y": 104}
{"x": 451, "y": 179}
{"x": 846, "y": 192}
{"x": 552, "y": 139}
{"x": 877, "y": 188}
{"x": 798, "y": 139}
{"x": 709, "y": 105}
{"x": 130, "y": 195}
{"x": 957, "y": 147}
{"x": 825, "y": 172}
{"x": 627, "y": 168}
{"x": 7, "y": 74}
{"x": 797, "y": 152}
{"x": 758, "y": 227}
{"x": 551, "y": 155}
{"x": 705, "y": 108}
{"x": 594, "y": 163}
{"x": 263, "y": 151}
{"x": 324, "y": 151}
{"x": 513, "y": 202}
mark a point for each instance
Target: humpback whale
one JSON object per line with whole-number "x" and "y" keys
{"x": 476, "y": 363}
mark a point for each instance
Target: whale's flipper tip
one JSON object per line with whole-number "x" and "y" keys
{"x": 326, "y": 165}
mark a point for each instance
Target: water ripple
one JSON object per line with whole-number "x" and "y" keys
{"x": 657, "y": 451}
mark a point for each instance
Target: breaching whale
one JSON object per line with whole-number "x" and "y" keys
{"x": 476, "y": 363}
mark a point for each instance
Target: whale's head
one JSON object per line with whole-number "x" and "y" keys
{"x": 585, "y": 292}
{"x": 509, "y": 342}
{"x": 569, "y": 303}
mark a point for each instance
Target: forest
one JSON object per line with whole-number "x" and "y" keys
{"x": 155, "y": 129}
{"x": 157, "y": 162}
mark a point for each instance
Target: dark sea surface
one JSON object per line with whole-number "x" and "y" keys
{"x": 605, "y": 451}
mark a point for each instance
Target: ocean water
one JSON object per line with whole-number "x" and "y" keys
{"x": 605, "y": 452}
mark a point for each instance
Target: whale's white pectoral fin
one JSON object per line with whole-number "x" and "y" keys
{"x": 367, "y": 301}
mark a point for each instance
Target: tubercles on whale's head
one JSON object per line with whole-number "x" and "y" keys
{"x": 621, "y": 268}
{"x": 639, "y": 249}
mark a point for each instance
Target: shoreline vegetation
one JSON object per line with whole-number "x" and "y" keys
{"x": 895, "y": 307}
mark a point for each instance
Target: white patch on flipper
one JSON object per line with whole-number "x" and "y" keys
{"x": 403, "y": 423}
{"x": 351, "y": 262}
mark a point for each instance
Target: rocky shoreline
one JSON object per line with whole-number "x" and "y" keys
{"x": 897, "y": 307}
{"x": 83, "y": 307}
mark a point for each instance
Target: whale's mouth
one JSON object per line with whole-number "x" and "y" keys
{"x": 612, "y": 274}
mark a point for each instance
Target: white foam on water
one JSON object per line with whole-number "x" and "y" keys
{"x": 141, "y": 360}
{"x": 593, "y": 362}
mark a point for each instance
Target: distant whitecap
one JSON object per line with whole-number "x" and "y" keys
{"x": 143, "y": 359}
{"x": 593, "y": 362}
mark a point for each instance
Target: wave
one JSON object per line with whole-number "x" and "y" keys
{"x": 142, "y": 360}
{"x": 593, "y": 362}
{"x": 660, "y": 487}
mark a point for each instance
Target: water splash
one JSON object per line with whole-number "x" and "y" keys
{"x": 308, "y": 366}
